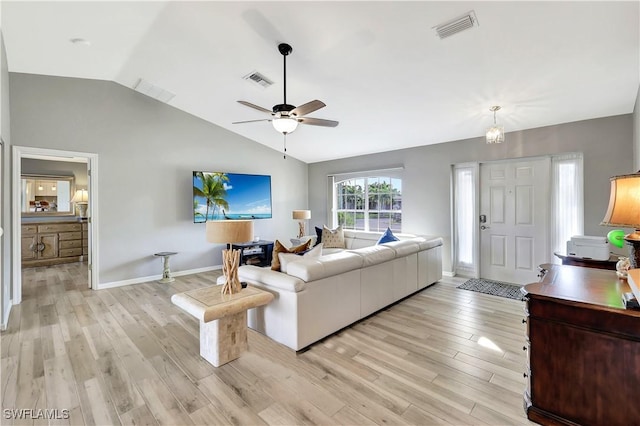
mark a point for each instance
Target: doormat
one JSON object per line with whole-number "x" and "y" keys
{"x": 494, "y": 288}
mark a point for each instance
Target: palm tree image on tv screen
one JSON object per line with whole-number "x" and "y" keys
{"x": 224, "y": 196}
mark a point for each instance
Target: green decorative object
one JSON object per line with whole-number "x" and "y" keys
{"x": 616, "y": 237}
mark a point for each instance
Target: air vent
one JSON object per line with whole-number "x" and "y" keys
{"x": 153, "y": 91}
{"x": 457, "y": 25}
{"x": 258, "y": 78}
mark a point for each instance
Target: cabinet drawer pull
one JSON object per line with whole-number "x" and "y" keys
{"x": 525, "y": 375}
{"x": 524, "y": 348}
{"x": 524, "y": 320}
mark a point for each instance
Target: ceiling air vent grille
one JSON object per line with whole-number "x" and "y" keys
{"x": 153, "y": 91}
{"x": 258, "y": 79}
{"x": 457, "y": 25}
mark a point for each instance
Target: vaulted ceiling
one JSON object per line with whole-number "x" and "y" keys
{"x": 379, "y": 66}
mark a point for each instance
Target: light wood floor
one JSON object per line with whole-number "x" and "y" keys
{"x": 128, "y": 356}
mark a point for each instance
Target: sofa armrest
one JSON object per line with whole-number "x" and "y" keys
{"x": 267, "y": 277}
{"x": 427, "y": 242}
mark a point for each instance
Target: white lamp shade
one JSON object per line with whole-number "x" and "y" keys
{"x": 229, "y": 231}
{"x": 301, "y": 214}
{"x": 624, "y": 202}
{"x": 81, "y": 196}
{"x": 284, "y": 125}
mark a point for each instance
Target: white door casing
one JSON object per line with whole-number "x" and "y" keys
{"x": 514, "y": 197}
{"x": 91, "y": 160}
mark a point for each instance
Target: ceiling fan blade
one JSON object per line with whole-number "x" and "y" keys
{"x": 307, "y": 108}
{"x": 317, "y": 122}
{"x": 259, "y": 108}
{"x": 250, "y": 121}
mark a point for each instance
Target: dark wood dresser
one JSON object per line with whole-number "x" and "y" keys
{"x": 583, "y": 349}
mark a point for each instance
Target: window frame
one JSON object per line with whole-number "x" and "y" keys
{"x": 386, "y": 176}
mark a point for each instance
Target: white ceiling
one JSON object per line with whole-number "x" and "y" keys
{"x": 379, "y": 66}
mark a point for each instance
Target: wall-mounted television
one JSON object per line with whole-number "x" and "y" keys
{"x": 222, "y": 196}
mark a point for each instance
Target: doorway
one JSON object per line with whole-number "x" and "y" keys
{"x": 91, "y": 161}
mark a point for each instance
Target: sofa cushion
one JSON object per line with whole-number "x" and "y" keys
{"x": 374, "y": 255}
{"x": 280, "y": 248}
{"x": 256, "y": 274}
{"x": 287, "y": 258}
{"x": 387, "y": 237}
{"x": 333, "y": 238}
{"x": 325, "y": 266}
{"x": 326, "y": 251}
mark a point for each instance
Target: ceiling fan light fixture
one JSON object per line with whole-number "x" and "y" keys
{"x": 495, "y": 133}
{"x": 284, "y": 125}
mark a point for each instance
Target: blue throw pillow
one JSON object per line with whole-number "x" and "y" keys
{"x": 387, "y": 237}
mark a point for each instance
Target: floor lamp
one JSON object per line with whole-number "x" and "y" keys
{"x": 228, "y": 232}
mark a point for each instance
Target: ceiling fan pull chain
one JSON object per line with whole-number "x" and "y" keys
{"x": 285, "y": 146}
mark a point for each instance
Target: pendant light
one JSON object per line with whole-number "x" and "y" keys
{"x": 495, "y": 134}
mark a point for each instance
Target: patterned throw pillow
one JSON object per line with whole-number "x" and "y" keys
{"x": 278, "y": 247}
{"x": 333, "y": 238}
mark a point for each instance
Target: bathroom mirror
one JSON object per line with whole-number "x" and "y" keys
{"x": 47, "y": 195}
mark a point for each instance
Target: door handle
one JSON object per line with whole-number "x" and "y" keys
{"x": 483, "y": 227}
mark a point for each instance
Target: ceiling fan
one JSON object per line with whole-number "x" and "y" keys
{"x": 284, "y": 117}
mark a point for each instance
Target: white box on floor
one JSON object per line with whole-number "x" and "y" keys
{"x": 583, "y": 246}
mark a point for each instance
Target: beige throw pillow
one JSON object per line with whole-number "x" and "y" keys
{"x": 333, "y": 238}
{"x": 280, "y": 248}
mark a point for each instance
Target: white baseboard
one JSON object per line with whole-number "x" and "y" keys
{"x": 5, "y": 320}
{"x": 448, "y": 274}
{"x": 140, "y": 280}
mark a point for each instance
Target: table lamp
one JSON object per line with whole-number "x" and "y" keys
{"x": 81, "y": 198}
{"x": 624, "y": 211}
{"x": 301, "y": 215}
{"x": 228, "y": 232}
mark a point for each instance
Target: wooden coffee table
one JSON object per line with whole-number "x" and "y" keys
{"x": 223, "y": 319}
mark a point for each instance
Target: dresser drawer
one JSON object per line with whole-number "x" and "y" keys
{"x": 29, "y": 229}
{"x": 70, "y": 244}
{"x": 70, "y": 236}
{"x": 67, "y": 252}
{"x": 63, "y": 227}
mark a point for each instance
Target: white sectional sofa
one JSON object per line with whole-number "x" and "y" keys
{"x": 319, "y": 296}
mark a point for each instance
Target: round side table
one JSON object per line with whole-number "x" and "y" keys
{"x": 166, "y": 272}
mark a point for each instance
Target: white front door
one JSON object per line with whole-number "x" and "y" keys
{"x": 514, "y": 206}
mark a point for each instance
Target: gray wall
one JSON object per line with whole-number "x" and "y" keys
{"x": 5, "y": 187}
{"x": 607, "y": 145}
{"x": 147, "y": 151}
